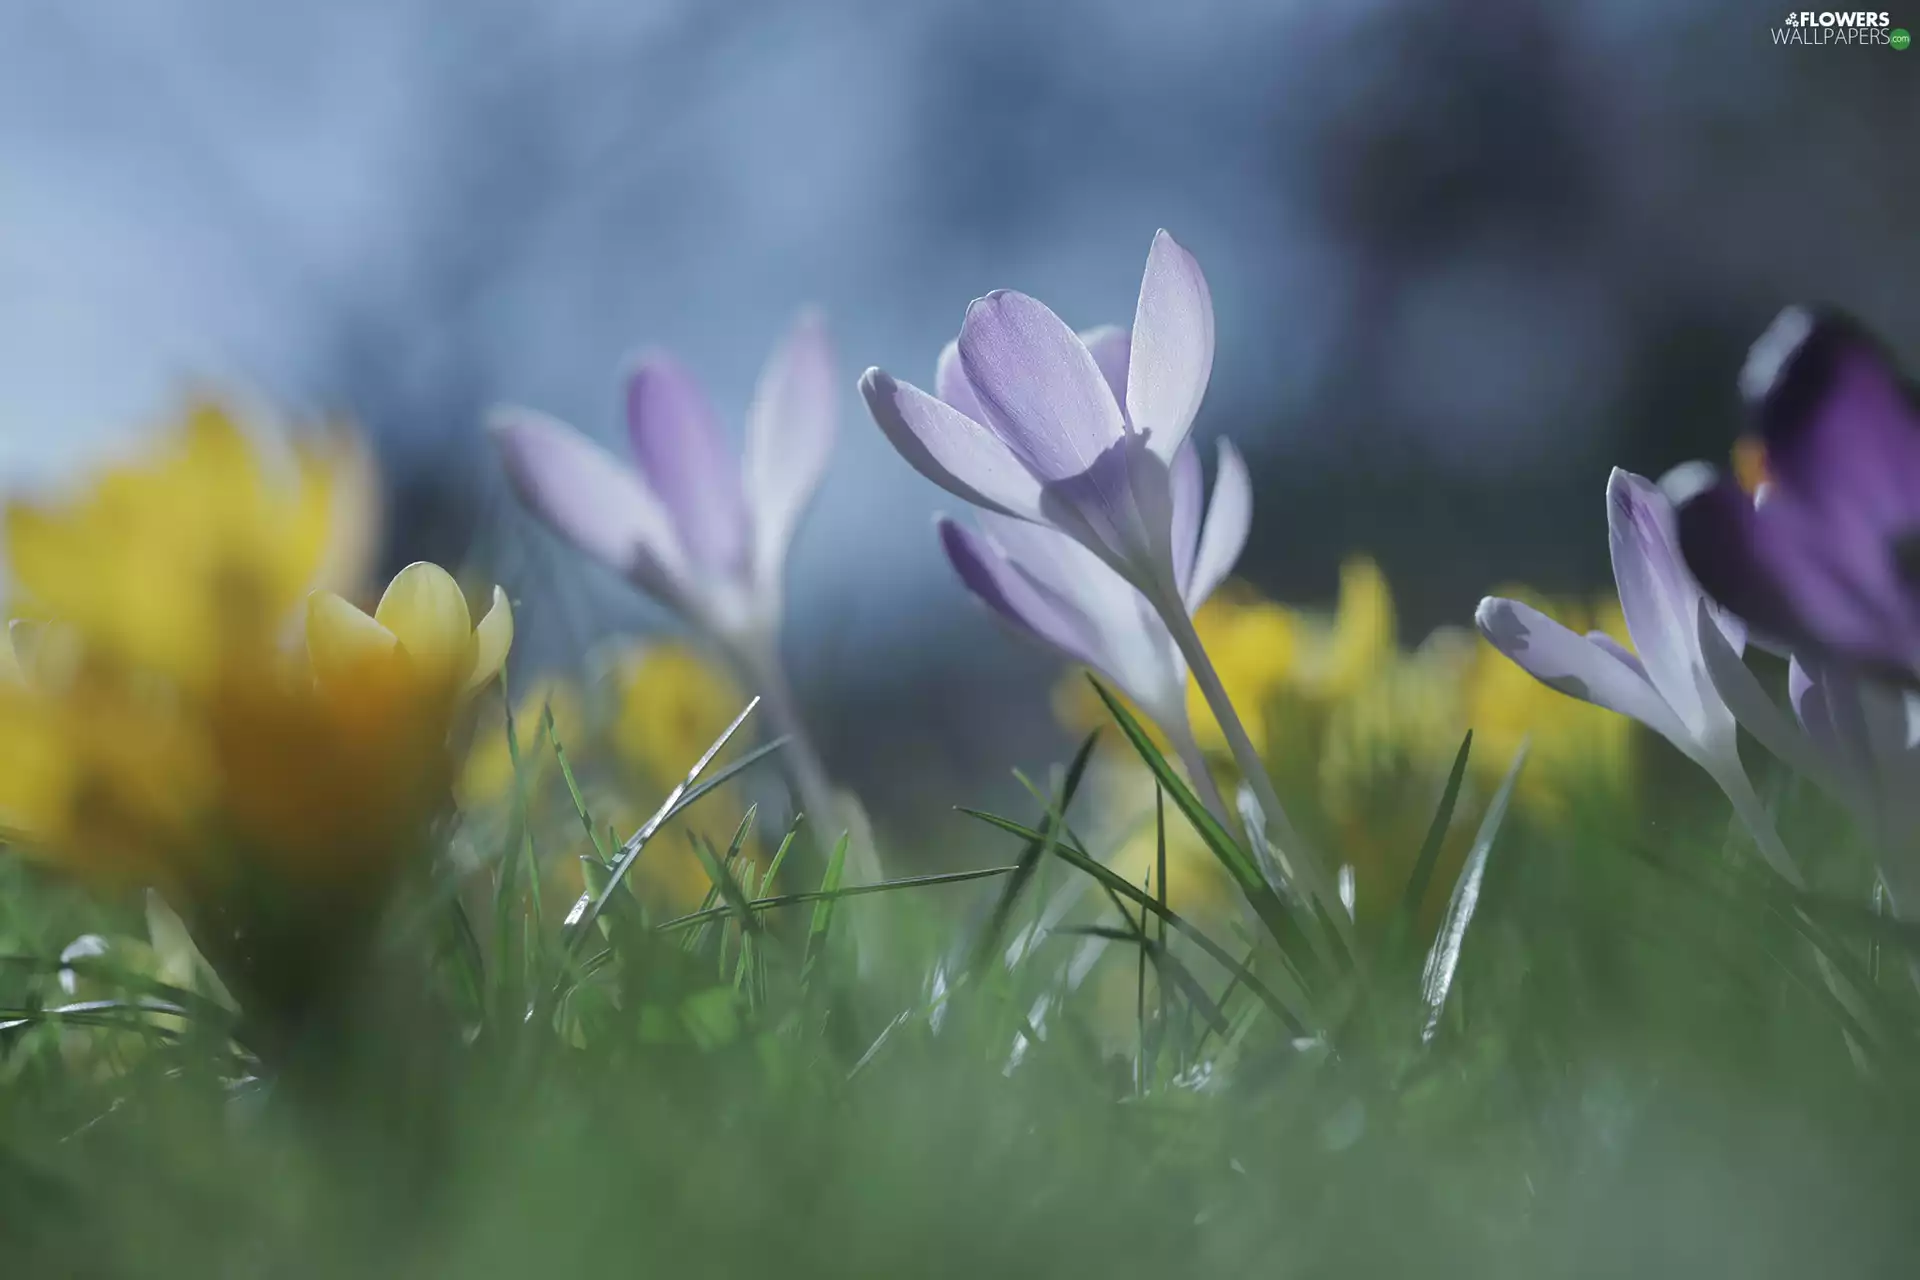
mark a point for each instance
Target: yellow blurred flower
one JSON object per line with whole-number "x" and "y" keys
{"x": 487, "y": 777}
{"x": 157, "y": 727}
{"x": 172, "y": 562}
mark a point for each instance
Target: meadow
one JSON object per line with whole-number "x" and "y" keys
{"x": 1566, "y": 941}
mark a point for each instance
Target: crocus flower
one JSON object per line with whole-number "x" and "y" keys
{"x": 702, "y": 532}
{"x": 1079, "y": 434}
{"x": 1663, "y": 681}
{"x": 1828, "y": 561}
{"x": 421, "y": 637}
{"x": 1034, "y": 421}
{"x": 1055, "y": 590}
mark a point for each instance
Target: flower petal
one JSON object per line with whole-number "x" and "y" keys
{"x": 683, "y": 452}
{"x": 426, "y": 612}
{"x": 587, "y": 497}
{"x": 1172, "y": 354}
{"x": 1039, "y": 387}
{"x": 790, "y": 432}
{"x": 985, "y": 571}
{"x": 491, "y": 641}
{"x": 343, "y": 643}
{"x": 949, "y": 448}
{"x": 1229, "y": 521}
{"x": 1771, "y": 726}
{"x": 1658, "y": 598}
{"x": 1188, "y": 492}
{"x": 951, "y": 385}
{"x": 1718, "y": 537}
{"x": 1571, "y": 664}
{"x": 1112, "y": 348}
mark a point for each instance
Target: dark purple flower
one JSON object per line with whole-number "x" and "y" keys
{"x": 1827, "y": 561}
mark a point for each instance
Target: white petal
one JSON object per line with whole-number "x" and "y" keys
{"x": 949, "y": 448}
{"x": 1577, "y": 667}
{"x": 790, "y": 432}
{"x": 1229, "y": 521}
{"x": 1172, "y": 355}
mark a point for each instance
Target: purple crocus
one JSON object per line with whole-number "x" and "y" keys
{"x": 1033, "y": 422}
{"x": 1828, "y": 561}
{"x": 700, "y": 530}
{"x": 1663, "y": 682}
{"x": 1052, "y": 589}
{"x": 1079, "y": 434}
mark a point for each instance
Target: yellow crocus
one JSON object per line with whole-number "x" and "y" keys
{"x": 420, "y": 638}
{"x": 174, "y": 562}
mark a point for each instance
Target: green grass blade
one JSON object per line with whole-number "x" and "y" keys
{"x": 823, "y": 912}
{"x": 1443, "y": 960}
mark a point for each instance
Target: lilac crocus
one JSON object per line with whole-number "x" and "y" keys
{"x": 1079, "y": 434}
{"x": 1663, "y": 682}
{"x": 693, "y": 526}
{"x": 1052, "y": 589}
{"x": 701, "y": 531}
{"x": 1828, "y": 562}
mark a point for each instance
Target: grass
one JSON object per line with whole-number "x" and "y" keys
{"x": 1605, "y": 1044}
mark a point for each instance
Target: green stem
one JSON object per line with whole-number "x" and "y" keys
{"x": 1289, "y": 848}
{"x": 1195, "y": 761}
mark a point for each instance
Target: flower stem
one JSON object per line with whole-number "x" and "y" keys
{"x": 1195, "y": 761}
{"x": 1753, "y": 815}
{"x": 765, "y": 673}
{"x": 1291, "y": 850}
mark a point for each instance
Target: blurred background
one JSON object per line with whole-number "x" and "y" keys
{"x": 1466, "y": 255}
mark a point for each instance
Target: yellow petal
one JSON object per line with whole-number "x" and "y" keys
{"x": 425, "y": 611}
{"x": 491, "y": 640}
{"x": 342, "y": 642}
{"x": 11, "y": 673}
{"x": 1363, "y": 629}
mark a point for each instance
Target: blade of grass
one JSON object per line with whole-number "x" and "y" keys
{"x": 589, "y": 906}
{"x": 1031, "y": 857}
{"x": 1394, "y": 941}
{"x": 1443, "y": 959}
{"x": 1078, "y": 858}
{"x": 822, "y": 923}
{"x": 1274, "y": 914}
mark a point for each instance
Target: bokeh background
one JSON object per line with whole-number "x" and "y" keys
{"x": 1466, "y": 255}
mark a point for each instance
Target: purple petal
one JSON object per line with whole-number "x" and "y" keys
{"x": 1172, "y": 355}
{"x": 951, "y": 385}
{"x": 1575, "y": 666}
{"x": 790, "y": 432}
{"x": 1841, "y": 428}
{"x": 683, "y": 453}
{"x": 1621, "y": 652}
{"x": 986, "y": 572}
{"x": 1229, "y": 520}
{"x": 949, "y": 448}
{"x": 1719, "y": 539}
{"x": 587, "y": 497}
{"x": 1657, "y": 595}
{"x": 1838, "y": 531}
{"x": 1126, "y": 638}
{"x": 1736, "y": 685}
{"x": 1188, "y": 491}
{"x": 1038, "y": 385}
{"x": 1121, "y": 508}
{"x": 1112, "y": 348}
